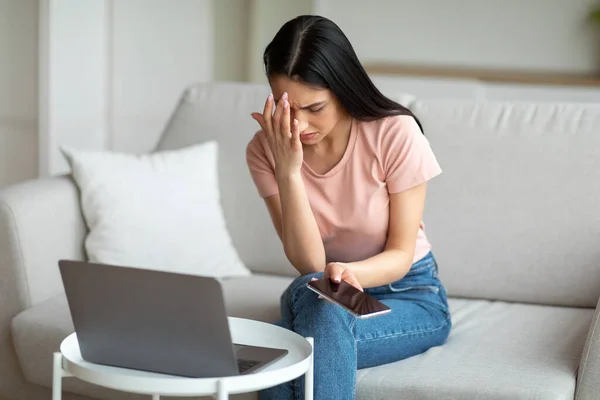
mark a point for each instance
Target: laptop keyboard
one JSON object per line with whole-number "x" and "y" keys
{"x": 245, "y": 365}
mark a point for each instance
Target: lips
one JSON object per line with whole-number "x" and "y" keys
{"x": 308, "y": 135}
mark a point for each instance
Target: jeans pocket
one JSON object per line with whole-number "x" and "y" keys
{"x": 398, "y": 288}
{"x": 425, "y": 267}
{"x": 420, "y": 270}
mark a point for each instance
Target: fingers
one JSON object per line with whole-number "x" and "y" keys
{"x": 337, "y": 272}
{"x": 296, "y": 143}
{"x": 278, "y": 123}
{"x": 326, "y": 271}
{"x": 285, "y": 118}
{"x": 278, "y": 115}
{"x": 351, "y": 279}
{"x": 258, "y": 117}
{"x": 334, "y": 272}
{"x": 268, "y": 116}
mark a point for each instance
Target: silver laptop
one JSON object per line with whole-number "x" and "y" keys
{"x": 155, "y": 321}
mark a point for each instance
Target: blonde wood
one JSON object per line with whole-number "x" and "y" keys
{"x": 487, "y": 75}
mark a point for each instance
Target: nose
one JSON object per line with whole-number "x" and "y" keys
{"x": 302, "y": 125}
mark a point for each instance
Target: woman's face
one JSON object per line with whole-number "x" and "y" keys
{"x": 317, "y": 110}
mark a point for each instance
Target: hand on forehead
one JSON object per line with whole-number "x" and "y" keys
{"x": 300, "y": 96}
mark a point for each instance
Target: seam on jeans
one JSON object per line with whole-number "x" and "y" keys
{"x": 352, "y": 327}
{"x": 420, "y": 269}
{"x": 427, "y": 288}
{"x": 294, "y": 298}
{"x": 409, "y": 333}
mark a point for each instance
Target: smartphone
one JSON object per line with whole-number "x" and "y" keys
{"x": 350, "y": 298}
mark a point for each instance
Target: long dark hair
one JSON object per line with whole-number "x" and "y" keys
{"x": 314, "y": 50}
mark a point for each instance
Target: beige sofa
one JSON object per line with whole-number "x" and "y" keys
{"x": 514, "y": 221}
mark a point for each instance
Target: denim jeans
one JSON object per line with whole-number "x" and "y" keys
{"x": 343, "y": 343}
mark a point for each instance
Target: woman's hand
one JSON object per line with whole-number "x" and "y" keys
{"x": 284, "y": 141}
{"x": 337, "y": 272}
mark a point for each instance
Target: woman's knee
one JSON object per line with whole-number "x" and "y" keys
{"x": 297, "y": 287}
{"x": 302, "y": 280}
{"x": 291, "y": 293}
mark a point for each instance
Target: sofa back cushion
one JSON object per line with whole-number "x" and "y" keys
{"x": 516, "y": 213}
{"x": 221, "y": 112}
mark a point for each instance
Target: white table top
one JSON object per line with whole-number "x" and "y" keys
{"x": 243, "y": 331}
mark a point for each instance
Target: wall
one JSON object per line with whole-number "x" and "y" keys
{"x": 140, "y": 54}
{"x": 158, "y": 48}
{"x": 231, "y": 30}
{"x": 18, "y": 90}
{"x": 530, "y": 35}
{"x": 111, "y": 71}
{"x": 266, "y": 17}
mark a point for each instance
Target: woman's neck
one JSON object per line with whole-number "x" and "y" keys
{"x": 337, "y": 140}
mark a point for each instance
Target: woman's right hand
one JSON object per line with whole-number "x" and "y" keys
{"x": 284, "y": 141}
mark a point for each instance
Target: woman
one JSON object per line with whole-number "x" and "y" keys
{"x": 343, "y": 172}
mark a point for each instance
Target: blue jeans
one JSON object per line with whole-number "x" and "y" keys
{"x": 343, "y": 343}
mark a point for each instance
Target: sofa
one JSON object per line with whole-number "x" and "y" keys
{"x": 514, "y": 221}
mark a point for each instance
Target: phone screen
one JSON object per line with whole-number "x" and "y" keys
{"x": 344, "y": 294}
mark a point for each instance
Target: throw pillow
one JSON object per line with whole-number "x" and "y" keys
{"x": 157, "y": 211}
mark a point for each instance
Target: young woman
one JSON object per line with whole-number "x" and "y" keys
{"x": 343, "y": 172}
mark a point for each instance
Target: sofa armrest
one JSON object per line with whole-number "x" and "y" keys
{"x": 40, "y": 222}
{"x": 588, "y": 376}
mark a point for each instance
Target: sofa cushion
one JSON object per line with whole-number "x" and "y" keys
{"x": 255, "y": 297}
{"x": 496, "y": 350}
{"x": 221, "y": 112}
{"x": 515, "y": 214}
{"x": 158, "y": 211}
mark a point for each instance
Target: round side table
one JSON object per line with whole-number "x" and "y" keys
{"x": 299, "y": 360}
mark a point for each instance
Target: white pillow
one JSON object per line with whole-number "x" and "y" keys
{"x": 157, "y": 211}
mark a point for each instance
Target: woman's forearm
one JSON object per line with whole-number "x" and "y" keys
{"x": 301, "y": 238}
{"x": 383, "y": 268}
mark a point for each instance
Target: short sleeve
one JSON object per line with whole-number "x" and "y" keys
{"x": 408, "y": 159}
{"x": 261, "y": 165}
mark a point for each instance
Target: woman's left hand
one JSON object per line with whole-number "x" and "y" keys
{"x": 337, "y": 271}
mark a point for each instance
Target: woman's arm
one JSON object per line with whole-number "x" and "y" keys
{"x": 289, "y": 209}
{"x": 296, "y": 225}
{"x": 406, "y": 211}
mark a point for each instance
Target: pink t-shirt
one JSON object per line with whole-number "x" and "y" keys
{"x": 351, "y": 201}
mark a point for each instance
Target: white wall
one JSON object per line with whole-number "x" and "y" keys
{"x": 158, "y": 48}
{"x": 112, "y": 71}
{"x": 72, "y": 79}
{"x": 135, "y": 56}
{"x": 18, "y": 90}
{"x": 231, "y": 27}
{"x": 266, "y": 17}
{"x": 96, "y": 74}
{"x": 517, "y": 34}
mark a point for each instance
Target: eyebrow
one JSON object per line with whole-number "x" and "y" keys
{"x": 318, "y": 103}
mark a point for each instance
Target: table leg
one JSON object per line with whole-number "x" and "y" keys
{"x": 309, "y": 374}
{"x": 222, "y": 390}
{"x": 57, "y": 374}
{"x": 155, "y": 397}
{"x": 57, "y": 377}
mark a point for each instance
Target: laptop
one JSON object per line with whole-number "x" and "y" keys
{"x": 156, "y": 321}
